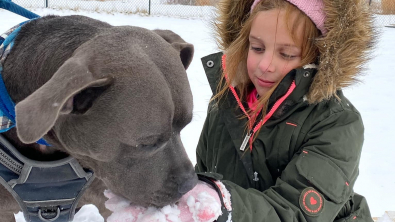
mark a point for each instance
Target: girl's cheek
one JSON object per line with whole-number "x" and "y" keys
{"x": 251, "y": 63}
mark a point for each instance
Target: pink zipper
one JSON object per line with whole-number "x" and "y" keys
{"x": 272, "y": 110}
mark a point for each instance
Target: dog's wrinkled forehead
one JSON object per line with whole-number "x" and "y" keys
{"x": 137, "y": 53}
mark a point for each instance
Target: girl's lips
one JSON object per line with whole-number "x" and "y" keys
{"x": 265, "y": 83}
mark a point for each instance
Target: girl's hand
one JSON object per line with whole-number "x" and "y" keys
{"x": 201, "y": 204}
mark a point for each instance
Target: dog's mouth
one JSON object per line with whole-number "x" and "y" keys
{"x": 159, "y": 198}
{"x": 171, "y": 193}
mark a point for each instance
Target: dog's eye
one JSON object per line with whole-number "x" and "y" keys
{"x": 153, "y": 146}
{"x": 83, "y": 101}
{"x": 150, "y": 143}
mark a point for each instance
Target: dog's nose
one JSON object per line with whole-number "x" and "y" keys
{"x": 187, "y": 184}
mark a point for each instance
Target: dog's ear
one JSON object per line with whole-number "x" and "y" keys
{"x": 186, "y": 49}
{"x": 37, "y": 114}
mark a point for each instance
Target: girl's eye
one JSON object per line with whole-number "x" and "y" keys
{"x": 288, "y": 57}
{"x": 257, "y": 49}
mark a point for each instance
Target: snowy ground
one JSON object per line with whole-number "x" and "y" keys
{"x": 372, "y": 97}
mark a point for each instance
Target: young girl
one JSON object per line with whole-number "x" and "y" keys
{"x": 280, "y": 134}
{"x": 281, "y": 142}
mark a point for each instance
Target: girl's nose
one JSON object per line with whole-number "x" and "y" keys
{"x": 266, "y": 64}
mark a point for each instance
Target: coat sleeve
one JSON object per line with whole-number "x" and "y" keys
{"x": 316, "y": 183}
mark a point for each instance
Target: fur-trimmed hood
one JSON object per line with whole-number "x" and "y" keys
{"x": 343, "y": 50}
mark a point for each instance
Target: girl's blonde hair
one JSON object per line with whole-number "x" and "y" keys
{"x": 236, "y": 53}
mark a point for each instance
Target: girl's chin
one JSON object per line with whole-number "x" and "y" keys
{"x": 262, "y": 91}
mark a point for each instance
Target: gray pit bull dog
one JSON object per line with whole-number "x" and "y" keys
{"x": 114, "y": 98}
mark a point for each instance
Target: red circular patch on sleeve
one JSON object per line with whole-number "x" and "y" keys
{"x": 311, "y": 202}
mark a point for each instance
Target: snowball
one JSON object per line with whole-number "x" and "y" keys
{"x": 201, "y": 204}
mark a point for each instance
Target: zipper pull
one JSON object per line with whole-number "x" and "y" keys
{"x": 245, "y": 141}
{"x": 256, "y": 179}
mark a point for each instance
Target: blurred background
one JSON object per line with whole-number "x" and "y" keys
{"x": 384, "y": 9}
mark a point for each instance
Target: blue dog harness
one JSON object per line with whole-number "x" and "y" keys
{"x": 45, "y": 191}
{"x": 7, "y": 106}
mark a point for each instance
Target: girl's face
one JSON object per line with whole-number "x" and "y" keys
{"x": 272, "y": 51}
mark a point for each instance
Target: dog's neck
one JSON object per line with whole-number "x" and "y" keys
{"x": 33, "y": 151}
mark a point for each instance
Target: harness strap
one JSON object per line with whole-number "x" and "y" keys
{"x": 45, "y": 191}
{"x": 11, "y": 163}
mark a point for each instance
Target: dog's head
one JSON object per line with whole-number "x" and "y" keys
{"x": 118, "y": 106}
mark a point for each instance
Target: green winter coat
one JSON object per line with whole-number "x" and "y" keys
{"x": 304, "y": 161}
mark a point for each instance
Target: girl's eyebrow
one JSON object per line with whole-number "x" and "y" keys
{"x": 255, "y": 38}
{"x": 288, "y": 45}
{"x": 251, "y": 37}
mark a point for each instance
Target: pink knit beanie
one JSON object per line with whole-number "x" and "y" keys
{"x": 314, "y": 9}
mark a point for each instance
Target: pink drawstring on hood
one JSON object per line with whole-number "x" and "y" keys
{"x": 314, "y": 9}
